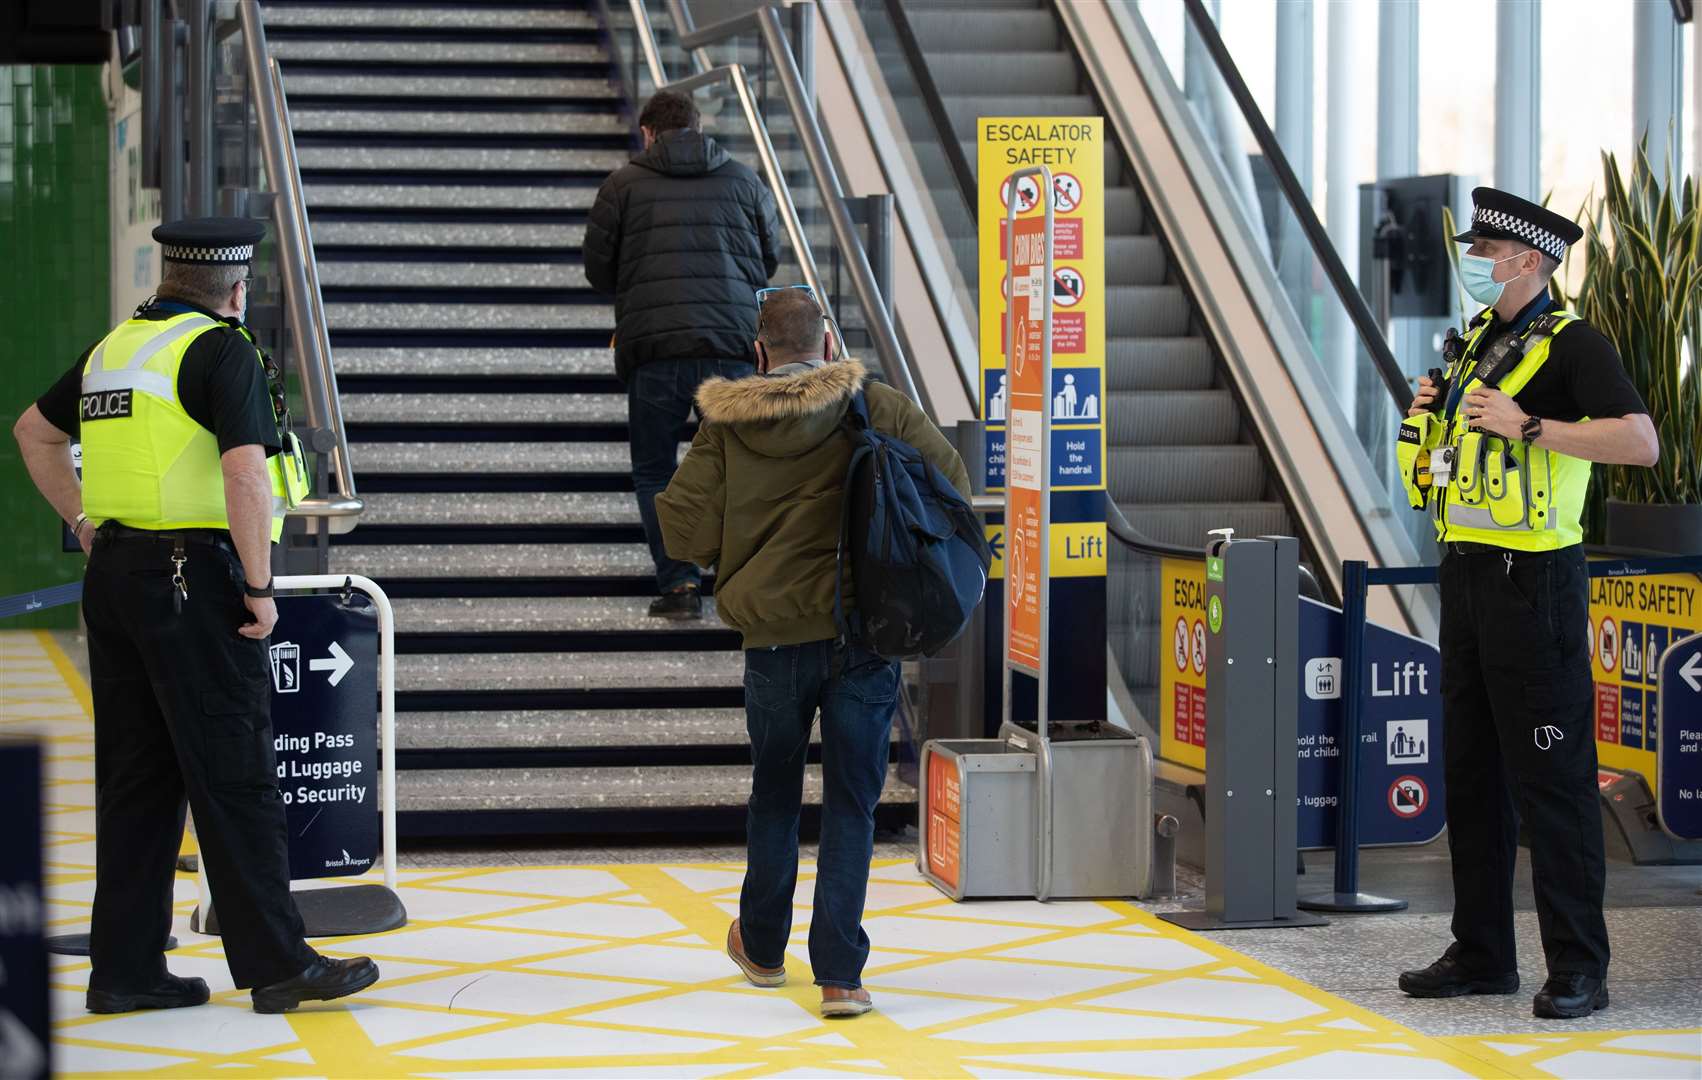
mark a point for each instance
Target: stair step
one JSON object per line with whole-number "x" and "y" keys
{"x": 290, "y": 50}
{"x": 457, "y": 275}
{"x": 500, "y": 508}
{"x": 414, "y": 561}
{"x": 418, "y": 673}
{"x": 380, "y": 458}
{"x": 424, "y": 121}
{"x": 677, "y": 787}
{"x": 1135, "y": 260}
{"x": 358, "y": 360}
{"x": 484, "y": 408}
{"x": 450, "y": 196}
{"x": 1158, "y": 474}
{"x": 461, "y": 17}
{"x": 1050, "y": 74}
{"x": 546, "y": 729}
{"x": 464, "y": 317}
{"x": 1173, "y": 418}
{"x": 1152, "y": 363}
{"x": 541, "y": 614}
{"x": 948, "y": 29}
{"x": 1146, "y": 311}
{"x": 460, "y": 158}
{"x": 402, "y": 86}
{"x": 429, "y": 234}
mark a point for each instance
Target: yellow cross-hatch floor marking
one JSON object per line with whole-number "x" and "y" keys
{"x": 506, "y": 970}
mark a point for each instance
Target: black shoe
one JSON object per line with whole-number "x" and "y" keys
{"x": 1446, "y": 978}
{"x": 681, "y": 603}
{"x": 323, "y": 980}
{"x": 169, "y": 993}
{"x": 1569, "y": 996}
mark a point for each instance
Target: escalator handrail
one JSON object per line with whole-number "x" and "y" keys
{"x": 1364, "y": 323}
{"x": 935, "y": 104}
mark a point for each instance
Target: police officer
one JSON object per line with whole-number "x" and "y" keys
{"x": 1504, "y": 447}
{"x": 182, "y": 496}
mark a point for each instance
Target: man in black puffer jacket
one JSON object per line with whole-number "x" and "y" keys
{"x": 681, "y": 237}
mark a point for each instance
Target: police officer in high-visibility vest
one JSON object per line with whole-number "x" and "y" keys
{"x": 182, "y": 495}
{"x": 1499, "y": 453}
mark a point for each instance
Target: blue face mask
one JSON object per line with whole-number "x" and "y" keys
{"x": 1477, "y": 274}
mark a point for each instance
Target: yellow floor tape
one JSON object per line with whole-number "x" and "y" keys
{"x": 617, "y": 971}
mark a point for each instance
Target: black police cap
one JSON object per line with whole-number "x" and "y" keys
{"x": 213, "y": 241}
{"x": 1500, "y": 216}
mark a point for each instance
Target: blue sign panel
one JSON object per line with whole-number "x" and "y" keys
{"x": 1655, "y": 650}
{"x": 1400, "y": 748}
{"x": 24, "y": 1042}
{"x": 1076, "y": 397}
{"x": 995, "y": 459}
{"x": 1678, "y": 761}
{"x": 325, "y": 731}
{"x": 1078, "y": 457}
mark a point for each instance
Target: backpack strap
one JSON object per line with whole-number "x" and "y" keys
{"x": 842, "y": 623}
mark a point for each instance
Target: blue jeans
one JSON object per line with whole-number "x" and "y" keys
{"x": 856, "y": 692}
{"x": 659, "y": 399}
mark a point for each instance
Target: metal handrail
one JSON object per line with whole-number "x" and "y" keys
{"x": 878, "y": 319}
{"x": 935, "y": 104}
{"x": 1365, "y": 324}
{"x": 303, "y": 302}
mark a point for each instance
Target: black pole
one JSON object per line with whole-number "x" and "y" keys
{"x": 1345, "y": 895}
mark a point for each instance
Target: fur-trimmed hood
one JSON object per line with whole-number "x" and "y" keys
{"x": 783, "y": 415}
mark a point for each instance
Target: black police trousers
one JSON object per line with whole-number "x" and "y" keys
{"x": 1517, "y": 715}
{"x": 182, "y": 709}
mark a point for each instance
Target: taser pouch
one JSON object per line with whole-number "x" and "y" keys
{"x": 1414, "y": 440}
{"x": 1504, "y": 485}
{"x": 293, "y": 463}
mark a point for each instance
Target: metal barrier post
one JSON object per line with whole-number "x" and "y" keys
{"x": 1346, "y": 895}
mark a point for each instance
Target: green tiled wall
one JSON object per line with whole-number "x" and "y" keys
{"x": 54, "y": 269}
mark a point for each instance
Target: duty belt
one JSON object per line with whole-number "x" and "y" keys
{"x": 1468, "y": 547}
{"x": 113, "y": 530}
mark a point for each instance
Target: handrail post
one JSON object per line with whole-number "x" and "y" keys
{"x": 153, "y": 15}
{"x": 171, "y": 122}
{"x": 1346, "y": 896}
{"x": 199, "y": 82}
{"x": 880, "y": 325}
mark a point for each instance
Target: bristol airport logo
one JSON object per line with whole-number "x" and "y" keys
{"x": 347, "y": 862}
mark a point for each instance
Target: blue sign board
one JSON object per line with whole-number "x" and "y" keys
{"x": 1078, "y": 458}
{"x": 995, "y": 459}
{"x": 325, "y": 732}
{"x": 1400, "y": 750}
{"x": 1678, "y": 761}
{"x": 24, "y": 1042}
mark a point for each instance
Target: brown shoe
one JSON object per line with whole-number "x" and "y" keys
{"x": 758, "y": 975}
{"x": 838, "y": 1001}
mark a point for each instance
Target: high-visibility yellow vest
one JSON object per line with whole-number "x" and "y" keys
{"x": 146, "y": 462}
{"x": 1504, "y": 492}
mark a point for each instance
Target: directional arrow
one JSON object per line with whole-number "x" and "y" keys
{"x": 1692, "y": 671}
{"x": 338, "y": 663}
{"x": 997, "y": 545}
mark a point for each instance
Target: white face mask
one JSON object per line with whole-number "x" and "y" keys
{"x": 1477, "y": 274}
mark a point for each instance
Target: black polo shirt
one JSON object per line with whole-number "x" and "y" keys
{"x": 1583, "y": 375}
{"x": 220, "y": 384}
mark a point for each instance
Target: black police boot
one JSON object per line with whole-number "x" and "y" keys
{"x": 1447, "y": 978}
{"x": 170, "y": 992}
{"x": 323, "y": 980}
{"x": 1569, "y": 996}
{"x": 682, "y": 603}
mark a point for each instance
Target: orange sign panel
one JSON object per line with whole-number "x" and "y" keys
{"x": 1025, "y": 468}
{"x": 945, "y": 819}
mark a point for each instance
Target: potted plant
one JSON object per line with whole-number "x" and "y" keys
{"x": 1642, "y": 288}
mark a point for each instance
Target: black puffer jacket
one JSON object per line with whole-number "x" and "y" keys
{"x": 682, "y": 237}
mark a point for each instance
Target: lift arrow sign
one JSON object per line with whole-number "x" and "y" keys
{"x": 1691, "y": 670}
{"x": 338, "y": 663}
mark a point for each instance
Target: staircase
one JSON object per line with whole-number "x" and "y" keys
{"x": 450, "y": 153}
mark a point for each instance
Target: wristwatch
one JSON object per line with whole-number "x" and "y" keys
{"x": 261, "y": 593}
{"x": 1531, "y": 429}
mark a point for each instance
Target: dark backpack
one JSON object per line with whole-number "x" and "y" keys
{"x": 918, "y": 552}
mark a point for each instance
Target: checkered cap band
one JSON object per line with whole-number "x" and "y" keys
{"x": 1532, "y": 234}
{"x": 217, "y": 255}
